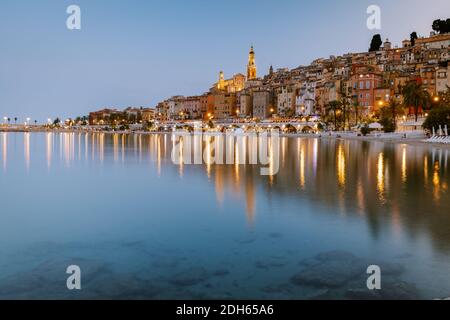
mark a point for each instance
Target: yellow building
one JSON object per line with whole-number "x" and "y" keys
{"x": 235, "y": 84}
{"x": 251, "y": 67}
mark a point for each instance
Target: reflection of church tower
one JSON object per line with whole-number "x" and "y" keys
{"x": 251, "y": 67}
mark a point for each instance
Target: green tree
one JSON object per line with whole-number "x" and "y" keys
{"x": 345, "y": 102}
{"x": 334, "y": 106}
{"x": 365, "y": 130}
{"x": 439, "y": 116}
{"x": 388, "y": 115}
{"x": 415, "y": 96}
{"x": 441, "y": 26}
{"x": 413, "y": 38}
{"x": 376, "y": 43}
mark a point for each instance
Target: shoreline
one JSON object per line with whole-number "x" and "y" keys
{"x": 396, "y": 138}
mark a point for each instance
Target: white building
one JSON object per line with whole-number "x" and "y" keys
{"x": 285, "y": 102}
{"x": 306, "y": 99}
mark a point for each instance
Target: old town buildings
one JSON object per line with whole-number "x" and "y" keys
{"x": 365, "y": 79}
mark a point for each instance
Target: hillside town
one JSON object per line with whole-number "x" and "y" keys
{"x": 340, "y": 90}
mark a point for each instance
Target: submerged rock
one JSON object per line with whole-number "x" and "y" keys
{"x": 389, "y": 291}
{"x": 122, "y": 286}
{"x": 221, "y": 273}
{"x": 48, "y": 279}
{"x": 190, "y": 277}
{"x": 331, "y": 269}
{"x": 337, "y": 268}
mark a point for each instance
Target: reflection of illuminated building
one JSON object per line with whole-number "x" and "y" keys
{"x": 4, "y": 149}
{"x": 49, "y": 144}
{"x": 219, "y": 184}
{"x": 380, "y": 177}
{"x": 26, "y": 143}
{"x": 250, "y": 200}
{"x": 341, "y": 165}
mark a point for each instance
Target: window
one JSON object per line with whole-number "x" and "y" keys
{"x": 361, "y": 85}
{"x": 367, "y": 84}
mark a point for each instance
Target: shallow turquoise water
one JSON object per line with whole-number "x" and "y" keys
{"x": 141, "y": 227}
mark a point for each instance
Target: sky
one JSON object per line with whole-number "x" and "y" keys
{"x": 140, "y": 52}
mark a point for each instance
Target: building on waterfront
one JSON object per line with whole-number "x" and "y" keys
{"x": 263, "y": 107}
{"x": 175, "y": 107}
{"x": 246, "y": 103}
{"x": 367, "y": 79}
{"x": 286, "y": 102}
{"x": 148, "y": 114}
{"x": 103, "y": 116}
{"x": 224, "y": 105}
{"x": 305, "y": 100}
{"x": 162, "y": 111}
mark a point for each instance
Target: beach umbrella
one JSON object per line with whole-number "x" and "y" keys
{"x": 375, "y": 126}
{"x": 446, "y": 130}
{"x": 440, "y": 130}
{"x": 434, "y": 131}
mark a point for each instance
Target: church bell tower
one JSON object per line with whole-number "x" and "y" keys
{"x": 251, "y": 67}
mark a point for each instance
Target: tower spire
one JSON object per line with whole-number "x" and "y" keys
{"x": 251, "y": 67}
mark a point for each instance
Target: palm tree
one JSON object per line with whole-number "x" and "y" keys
{"x": 344, "y": 103}
{"x": 356, "y": 107}
{"x": 414, "y": 95}
{"x": 15, "y": 120}
{"x": 334, "y": 106}
{"x": 394, "y": 106}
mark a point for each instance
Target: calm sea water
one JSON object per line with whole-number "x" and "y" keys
{"x": 141, "y": 227}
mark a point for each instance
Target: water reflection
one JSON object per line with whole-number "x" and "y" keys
{"x": 371, "y": 180}
{"x": 4, "y": 150}
{"x": 26, "y": 146}
{"x": 384, "y": 199}
{"x": 49, "y": 146}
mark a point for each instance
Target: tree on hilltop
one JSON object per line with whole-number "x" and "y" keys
{"x": 414, "y": 37}
{"x": 441, "y": 26}
{"x": 376, "y": 43}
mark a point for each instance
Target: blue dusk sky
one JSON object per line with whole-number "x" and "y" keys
{"x": 139, "y": 52}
